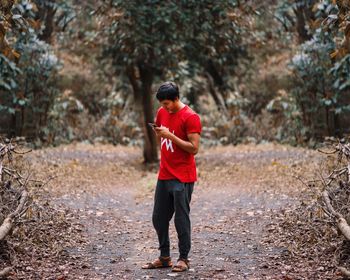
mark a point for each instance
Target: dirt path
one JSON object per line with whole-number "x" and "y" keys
{"x": 239, "y": 191}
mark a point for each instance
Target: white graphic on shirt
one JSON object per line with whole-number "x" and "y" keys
{"x": 168, "y": 143}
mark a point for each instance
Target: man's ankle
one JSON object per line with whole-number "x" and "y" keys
{"x": 164, "y": 257}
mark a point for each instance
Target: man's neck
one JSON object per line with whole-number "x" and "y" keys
{"x": 179, "y": 106}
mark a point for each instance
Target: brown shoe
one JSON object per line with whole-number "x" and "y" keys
{"x": 181, "y": 265}
{"x": 161, "y": 262}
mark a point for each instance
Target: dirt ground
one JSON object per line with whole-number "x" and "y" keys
{"x": 239, "y": 191}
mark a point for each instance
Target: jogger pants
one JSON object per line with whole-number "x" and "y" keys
{"x": 173, "y": 196}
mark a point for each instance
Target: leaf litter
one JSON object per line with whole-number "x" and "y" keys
{"x": 249, "y": 214}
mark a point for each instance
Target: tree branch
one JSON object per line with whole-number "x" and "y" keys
{"x": 344, "y": 271}
{"x": 7, "y": 224}
{"x": 5, "y": 272}
{"x": 342, "y": 224}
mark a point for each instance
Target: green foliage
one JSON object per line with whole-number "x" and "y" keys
{"x": 289, "y": 13}
{"x": 64, "y": 121}
{"x": 62, "y": 13}
{"x": 341, "y": 83}
{"x": 145, "y": 33}
{"x": 313, "y": 84}
{"x": 321, "y": 82}
{"x": 166, "y": 33}
{"x": 8, "y": 82}
{"x": 340, "y": 71}
{"x": 27, "y": 83}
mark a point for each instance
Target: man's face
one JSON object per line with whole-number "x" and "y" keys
{"x": 169, "y": 105}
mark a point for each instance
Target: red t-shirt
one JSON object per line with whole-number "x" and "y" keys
{"x": 176, "y": 163}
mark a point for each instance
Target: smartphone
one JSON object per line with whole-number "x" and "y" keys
{"x": 153, "y": 125}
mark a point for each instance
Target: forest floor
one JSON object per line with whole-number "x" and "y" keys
{"x": 240, "y": 191}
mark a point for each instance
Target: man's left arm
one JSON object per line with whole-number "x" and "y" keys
{"x": 191, "y": 146}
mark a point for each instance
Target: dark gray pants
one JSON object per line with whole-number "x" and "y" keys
{"x": 171, "y": 197}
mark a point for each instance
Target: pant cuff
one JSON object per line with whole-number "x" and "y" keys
{"x": 165, "y": 253}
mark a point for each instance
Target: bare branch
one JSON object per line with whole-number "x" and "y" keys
{"x": 344, "y": 271}
{"x": 327, "y": 153}
{"x": 5, "y": 272}
{"x": 341, "y": 222}
{"x": 7, "y": 224}
{"x": 22, "y": 153}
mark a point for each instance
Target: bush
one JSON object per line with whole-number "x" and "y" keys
{"x": 27, "y": 85}
{"x": 313, "y": 92}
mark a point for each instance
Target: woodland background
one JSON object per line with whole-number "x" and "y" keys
{"x": 254, "y": 70}
{"x": 270, "y": 80}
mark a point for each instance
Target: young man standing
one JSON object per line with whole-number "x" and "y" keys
{"x": 178, "y": 130}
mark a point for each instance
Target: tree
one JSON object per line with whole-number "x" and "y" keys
{"x": 145, "y": 40}
{"x": 54, "y": 16}
{"x": 298, "y": 15}
{"x": 152, "y": 38}
{"x": 215, "y": 42}
{"x": 322, "y": 68}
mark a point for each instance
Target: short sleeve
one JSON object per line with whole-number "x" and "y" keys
{"x": 193, "y": 124}
{"x": 157, "y": 120}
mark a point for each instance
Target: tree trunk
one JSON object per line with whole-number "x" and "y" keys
{"x": 142, "y": 89}
{"x": 217, "y": 78}
{"x": 19, "y": 121}
{"x": 150, "y": 147}
{"x": 217, "y": 98}
{"x": 330, "y": 120}
{"x": 303, "y": 14}
{"x": 218, "y": 81}
{"x": 46, "y": 14}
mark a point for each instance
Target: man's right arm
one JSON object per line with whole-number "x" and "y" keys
{"x": 156, "y": 121}
{"x": 158, "y": 140}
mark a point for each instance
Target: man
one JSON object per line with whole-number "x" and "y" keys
{"x": 178, "y": 130}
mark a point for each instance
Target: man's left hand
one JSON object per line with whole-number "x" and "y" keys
{"x": 163, "y": 132}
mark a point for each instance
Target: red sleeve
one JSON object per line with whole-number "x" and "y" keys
{"x": 193, "y": 124}
{"x": 157, "y": 119}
